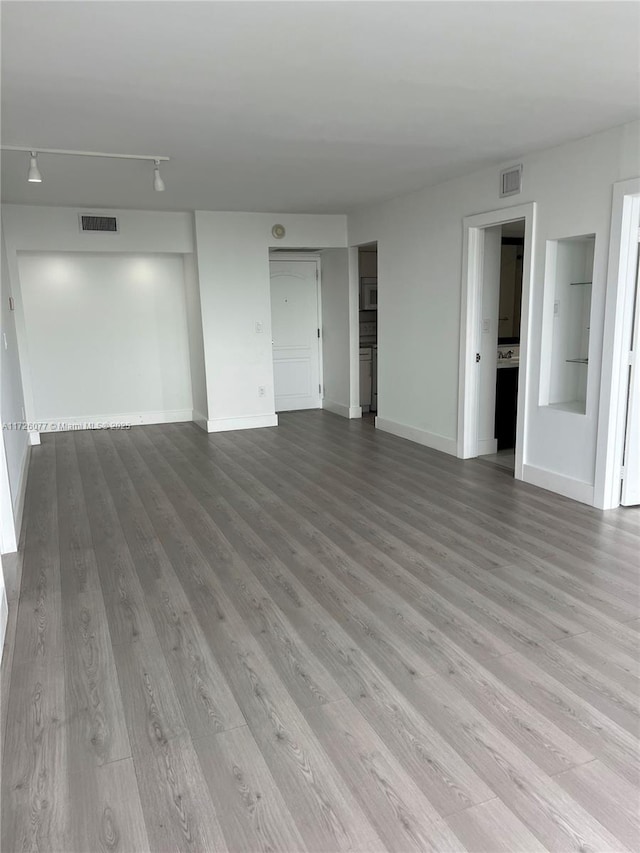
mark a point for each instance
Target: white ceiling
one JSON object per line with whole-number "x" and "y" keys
{"x": 307, "y": 106}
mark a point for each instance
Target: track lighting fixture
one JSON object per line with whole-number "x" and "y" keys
{"x": 158, "y": 183}
{"x": 34, "y": 176}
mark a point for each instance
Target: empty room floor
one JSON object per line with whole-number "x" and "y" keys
{"x": 316, "y": 637}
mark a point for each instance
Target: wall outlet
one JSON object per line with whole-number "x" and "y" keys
{"x": 262, "y": 390}
{"x": 486, "y": 325}
{"x": 259, "y": 327}
{"x": 556, "y": 308}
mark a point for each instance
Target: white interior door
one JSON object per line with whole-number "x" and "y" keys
{"x": 295, "y": 329}
{"x": 630, "y": 495}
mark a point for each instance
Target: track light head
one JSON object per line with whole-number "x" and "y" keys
{"x": 34, "y": 176}
{"x": 158, "y": 183}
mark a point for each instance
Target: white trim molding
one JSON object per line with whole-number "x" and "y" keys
{"x": 470, "y": 326}
{"x": 22, "y": 493}
{"x": 420, "y": 436}
{"x": 487, "y": 446}
{"x": 109, "y": 421}
{"x": 341, "y": 409}
{"x": 246, "y": 422}
{"x": 618, "y": 330}
{"x": 577, "y": 490}
{"x": 4, "y": 613}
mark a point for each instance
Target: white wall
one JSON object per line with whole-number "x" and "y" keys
{"x": 233, "y": 266}
{"x": 28, "y": 228}
{"x": 419, "y": 286}
{"x": 335, "y": 331}
{"x": 13, "y": 468}
{"x": 107, "y": 337}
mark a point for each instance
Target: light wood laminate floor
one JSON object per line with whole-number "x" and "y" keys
{"x": 316, "y": 637}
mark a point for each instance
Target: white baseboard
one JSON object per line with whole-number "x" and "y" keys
{"x": 132, "y": 418}
{"x": 22, "y": 491}
{"x": 341, "y": 409}
{"x": 4, "y": 612}
{"x": 487, "y": 446}
{"x": 420, "y": 436}
{"x": 578, "y": 490}
{"x": 247, "y": 422}
{"x": 199, "y": 419}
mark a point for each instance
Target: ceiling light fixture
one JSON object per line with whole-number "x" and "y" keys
{"x": 158, "y": 183}
{"x": 34, "y": 176}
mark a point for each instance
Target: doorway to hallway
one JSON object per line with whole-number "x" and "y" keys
{"x": 502, "y": 303}
{"x": 494, "y": 334}
{"x": 368, "y": 327}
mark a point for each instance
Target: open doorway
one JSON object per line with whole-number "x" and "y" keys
{"x": 368, "y": 329}
{"x": 494, "y": 335}
{"x": 501, "y": 323}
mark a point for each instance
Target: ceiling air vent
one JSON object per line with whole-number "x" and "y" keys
{"x": 91, "y": 222}
{"x": 511, "y": 181}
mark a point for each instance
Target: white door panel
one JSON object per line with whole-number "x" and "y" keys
{"x": 294, "y": 324}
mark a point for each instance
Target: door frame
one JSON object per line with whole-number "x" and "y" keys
{"x": 471, "y": 323}
{"x": 618, "y": 328}
{"x": 305, "y": 256}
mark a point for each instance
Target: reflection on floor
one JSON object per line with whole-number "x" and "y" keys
{"x": 503, "y": 458}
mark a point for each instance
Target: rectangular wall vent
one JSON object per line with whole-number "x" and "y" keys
{"x": 91, "y": 222}
{"x": 511, "y": 181}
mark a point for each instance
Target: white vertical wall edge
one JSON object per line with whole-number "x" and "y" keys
{"x": 618, "y": 320}
{"x": 472, "y": 256}
{"x": 199, "y": 419}
{"x": 354, "y": 332}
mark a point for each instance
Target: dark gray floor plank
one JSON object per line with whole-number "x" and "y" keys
{"x": 107, "y": 812}
{"x": 612, "y": 800}
{"x": 493, "y": 828}
{"x": 252, "y": 810}
{"x": 35, "y": 779}
{"x": 317, "y": 637}
{"x": 553, "y": 817}
{"x": 200, "y": 686}
{"x": 96, "y": 728}
{"x": 307, "y": 681}
{"x": 563, "y": 545}
{"x": 327, "y": 814}
{"x": 402, "y": 815}
{"x": 613, "y": 745}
